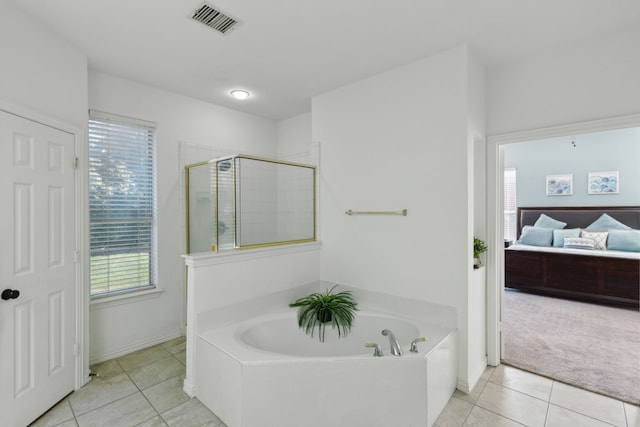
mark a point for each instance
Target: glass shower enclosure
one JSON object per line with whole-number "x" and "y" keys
{"x": 242, "y": 201}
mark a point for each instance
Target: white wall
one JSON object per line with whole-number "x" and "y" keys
{"x": 595, "y": 79}
{"x": 398, "y": 140}
{"x": 294, "y": 135}
{"x": 475, "y": 310}
{"x": 476, "y": 83}
{"x": 120, "y": 328}
{"x": 40, "y": 70}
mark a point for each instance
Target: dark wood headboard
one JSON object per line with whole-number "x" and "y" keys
{"x": 580, "y": 216}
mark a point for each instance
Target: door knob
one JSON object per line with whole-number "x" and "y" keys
{"x": 10, "y": 294}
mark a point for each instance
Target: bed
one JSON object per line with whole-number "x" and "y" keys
{"x": 601, "y": 276}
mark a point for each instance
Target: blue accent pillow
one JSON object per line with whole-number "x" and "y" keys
{"x": 559, "y": 235}
{"x": 545, "y": 221}
{"x": 624, "y": 240}
{"x": 605, "y": 222}
{"x": 536, "y": 236}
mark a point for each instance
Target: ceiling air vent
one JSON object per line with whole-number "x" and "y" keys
{"x": 214, "y": 18}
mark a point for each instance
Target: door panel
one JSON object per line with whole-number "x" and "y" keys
{"x": 23, "y": 228}
{"x": 37, "y": 244}
{"x": 23, "y": 350}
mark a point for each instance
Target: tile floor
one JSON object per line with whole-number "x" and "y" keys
{"x": 140, "y": 389}
{"x": 507, "y": 396}
{"x": 145, "y": 389}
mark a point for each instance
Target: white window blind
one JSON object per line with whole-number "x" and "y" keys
{"x": 510, "y": 205}
{"x": 121, "y": 204}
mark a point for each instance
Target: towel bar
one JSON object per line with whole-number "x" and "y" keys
{"x": 403, "y": 212}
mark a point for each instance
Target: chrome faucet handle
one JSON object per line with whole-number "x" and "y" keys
{"x": 414, "y": 344}
{"x": 377, "y": 350}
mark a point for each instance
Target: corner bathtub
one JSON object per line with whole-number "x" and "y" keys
{"x": 265, "y": 372}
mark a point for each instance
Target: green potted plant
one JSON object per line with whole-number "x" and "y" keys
{"x": 479, "y": 247}
{"x": 320, "y": 308}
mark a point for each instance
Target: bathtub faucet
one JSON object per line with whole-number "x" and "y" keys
{"x": 414, "y": 344}
{"x": 393, "y": 342}
{"x": 377, "y": 350}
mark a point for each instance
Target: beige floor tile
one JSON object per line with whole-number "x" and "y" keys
{"x": 167, "y": 394}
{"x": 176, "y": 345}
{"x": 480, "y": 417}
{"x": 585, "y": 402}
{"x": 156, "y": 372}
{"x": 101, "y": 391}
{"x": 106, "y": 369}
{"x": 488, "y": 371}
{"x": 525, "y": 382}
{"x": 178, "y": 348}
{"x": 454, "y": 413}
{"x": 182, "y": 357}
{"x": 142, "y": 357}
{"x": 173, "y": 342}
{"x": 127, "y": 412}
{"x": 513, "y": 404}
{"x": 190, "y": 414}
{"x": 153, "y": 422}
{"x": 55, "y": 416}
{"x": 561, "y": 417}
{"x": 475, "y": 393}
{"x": 632, "y": 413}
{"x": 70, "y": 423}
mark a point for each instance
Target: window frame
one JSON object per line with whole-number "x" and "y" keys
{"x": 144, "y": 134}
{"x": 510, "y": 186}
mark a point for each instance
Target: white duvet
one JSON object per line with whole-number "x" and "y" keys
{"x": 595, "y": 252}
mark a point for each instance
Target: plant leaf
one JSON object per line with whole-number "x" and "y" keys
{"x": 341, "y": 305}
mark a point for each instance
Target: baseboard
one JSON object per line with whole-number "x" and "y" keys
{"x": 477, "y": 374}
{"x": 462, "y": 385}
{"x": 134, "y": 347}
{"x": 189, "y": 388}
{"x": 466, "y": 385}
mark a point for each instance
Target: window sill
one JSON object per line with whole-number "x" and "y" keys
{"x": 105, "y": 302}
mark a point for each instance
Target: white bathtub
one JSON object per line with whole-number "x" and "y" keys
{"x": 279, "y": 333}
{"x": 265, "y": 371}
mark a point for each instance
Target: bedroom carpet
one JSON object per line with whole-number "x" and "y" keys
{"x": 590, "y": 346}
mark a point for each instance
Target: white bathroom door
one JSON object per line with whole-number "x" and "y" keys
{"x": 37, "y": 268}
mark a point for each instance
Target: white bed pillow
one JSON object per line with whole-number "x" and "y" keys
{"x": 599, "y": 238}
{"x": 578, "y": 243}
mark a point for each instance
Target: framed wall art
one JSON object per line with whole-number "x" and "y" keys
{"x": 603, "y": 182}
{"x": 560, "y": 185}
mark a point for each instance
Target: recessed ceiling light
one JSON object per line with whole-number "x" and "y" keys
{"x": 240, "y": 94}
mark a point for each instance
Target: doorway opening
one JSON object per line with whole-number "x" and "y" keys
{"x": 498, "y": 155}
